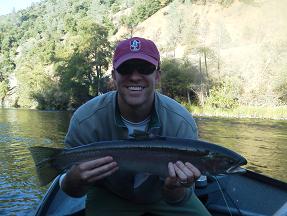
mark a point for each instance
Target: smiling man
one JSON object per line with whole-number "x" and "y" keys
{"x": 135, "y": 107}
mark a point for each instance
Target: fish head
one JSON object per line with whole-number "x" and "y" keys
{"x": 222, "y": 164}
{"x": 236, "y": 169}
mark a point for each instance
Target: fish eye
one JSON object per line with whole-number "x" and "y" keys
{"x": 230, "y": 162}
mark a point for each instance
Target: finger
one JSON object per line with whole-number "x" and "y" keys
{"x": 188, "y": 179}
{"x": 180, "y": 174}
{"x": 188, "y": 172}
{"x": 195, "y": 171}
{"x": 100, "y": 170}
{"x": 103, "y": 175}
{"x": 171, "y": 170}
{"x": 170, "y": 181}
{"x": 95, "y": 163}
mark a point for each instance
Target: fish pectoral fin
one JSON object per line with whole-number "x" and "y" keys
{"x": 140, "y": 178}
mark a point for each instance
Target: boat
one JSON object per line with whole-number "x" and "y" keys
{"x": 247, "y": 194}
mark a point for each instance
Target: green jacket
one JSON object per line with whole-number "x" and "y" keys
{"x": 99, "y": 120}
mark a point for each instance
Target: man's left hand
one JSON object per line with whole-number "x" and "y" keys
{"x": 181, "y": 175}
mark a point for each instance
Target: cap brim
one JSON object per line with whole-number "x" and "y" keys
{"x": 135, "y": 56}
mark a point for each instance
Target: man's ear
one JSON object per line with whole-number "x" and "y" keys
{"x": 113, "y": 74}
{"x": 114, "y": 78}
{"x": 157, "y": 76}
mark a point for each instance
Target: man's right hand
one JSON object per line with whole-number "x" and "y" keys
{"x": 81, "y": 176}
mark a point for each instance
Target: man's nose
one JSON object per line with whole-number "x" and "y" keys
{"x": 135, "y": 73}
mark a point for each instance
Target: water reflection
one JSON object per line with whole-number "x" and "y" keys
{"x": 19, "y": 129}
{"x": 261, "y": 142}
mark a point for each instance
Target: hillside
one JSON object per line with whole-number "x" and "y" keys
{"x": 245, "y": 41}
{"x": 236, "y": 50}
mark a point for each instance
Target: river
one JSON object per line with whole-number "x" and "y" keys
{"x": 262, "y": 142}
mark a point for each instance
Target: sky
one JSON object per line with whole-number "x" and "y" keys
{"x": 6, "y": 6}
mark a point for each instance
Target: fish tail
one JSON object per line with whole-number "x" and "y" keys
{"x": 42, "y": 157}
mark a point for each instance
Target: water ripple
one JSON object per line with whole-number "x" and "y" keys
{"x": 262, "y": 142}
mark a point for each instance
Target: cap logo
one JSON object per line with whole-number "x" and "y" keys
{"x": 135, "y": 45}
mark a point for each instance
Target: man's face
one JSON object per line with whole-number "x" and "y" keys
{"x": 135, "y": 81}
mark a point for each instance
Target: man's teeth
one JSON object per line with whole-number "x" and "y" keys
{"x": 135, "y": 88}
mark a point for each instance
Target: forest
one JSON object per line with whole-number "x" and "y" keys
{"x": 56, "y": 55}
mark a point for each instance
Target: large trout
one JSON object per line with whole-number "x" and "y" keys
{"x": 139, "y": 156}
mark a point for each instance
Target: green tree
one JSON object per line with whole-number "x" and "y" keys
{"x": 177, "y": 77}
{"x": 224, "y": 95}
{"x": 141, "y": 11}
{"x": 82, "y": 73}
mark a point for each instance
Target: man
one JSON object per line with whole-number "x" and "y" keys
{"x": 134, "y": 107}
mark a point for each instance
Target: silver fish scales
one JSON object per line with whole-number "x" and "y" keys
{"x": 147, "y": 155}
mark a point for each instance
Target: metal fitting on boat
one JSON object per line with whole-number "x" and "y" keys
{"x": 201, "y": 181}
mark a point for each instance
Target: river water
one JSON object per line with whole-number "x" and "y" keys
{"x": 262, "y": 142}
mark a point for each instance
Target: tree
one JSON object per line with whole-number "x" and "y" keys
{"x": 97, "y": 51}
{"x": 82, "y": 73}
{"x": 175, "y": 28}
{"x": 177, "y": 77}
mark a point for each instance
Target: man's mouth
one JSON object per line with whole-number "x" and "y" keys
{"x": 135, "y": 88}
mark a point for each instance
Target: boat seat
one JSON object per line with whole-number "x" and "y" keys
{"x": 282, "y": 211}
{"x": 79, "y": 213}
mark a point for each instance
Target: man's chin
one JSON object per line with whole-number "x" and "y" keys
{"x": 135, "y": 102}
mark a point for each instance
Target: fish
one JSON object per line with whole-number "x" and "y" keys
{"x": 145, "y": 155}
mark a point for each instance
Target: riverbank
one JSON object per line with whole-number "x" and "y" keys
{"x": 275, "y": 113}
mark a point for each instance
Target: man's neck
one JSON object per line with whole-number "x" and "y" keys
{"x": 134, "y": 113}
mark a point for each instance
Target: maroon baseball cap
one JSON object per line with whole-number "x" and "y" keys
{"x": 136, "y": 48}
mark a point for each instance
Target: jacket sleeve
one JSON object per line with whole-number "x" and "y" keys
{"x": 188, "y": 129}
{"x": 73, "y": 137}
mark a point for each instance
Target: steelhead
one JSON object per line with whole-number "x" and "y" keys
{"x": 149, "y": 155}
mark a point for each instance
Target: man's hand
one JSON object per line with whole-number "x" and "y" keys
{"x": 181, "y": 176}
{"x": 83, "y": 175}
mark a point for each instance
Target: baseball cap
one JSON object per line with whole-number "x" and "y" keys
{"x": 136, "y": 48}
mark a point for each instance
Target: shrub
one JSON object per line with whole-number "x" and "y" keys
{"x": 223, "y": 95}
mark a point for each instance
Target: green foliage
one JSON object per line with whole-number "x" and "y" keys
{"x": 115, "y": 7}
{"x": 59, "y": 51}
{"x": 74, "y": 78}
{"x": 265, "y": 112}
{"x": 165, "y": 2}
{"x": 52, "y": 98}
{"x": 175, "y": 27}
{"x": 141, "y": 11}
{"x": 223, "y": 96}
{"x": 145, "y": 9}
{"x": 282, "y": 92}
{"x": 82, "y": 72}
{"x": 109, "y": 25}
{"x": 177, "y": 76}
{"x": 226, "y": 3}
{"x": 4, "y": 89}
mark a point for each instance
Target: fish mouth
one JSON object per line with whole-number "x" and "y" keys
{"x": 235, "y": 169}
